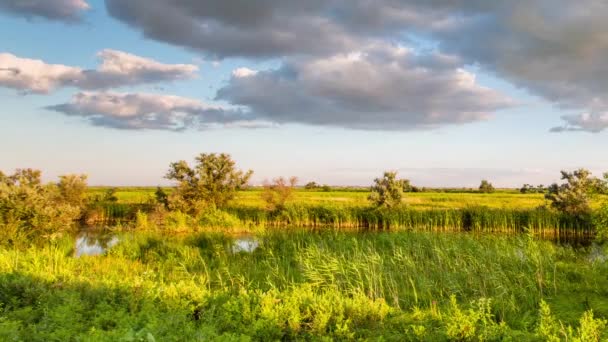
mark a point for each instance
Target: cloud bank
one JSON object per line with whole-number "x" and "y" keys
{"x": 555, "y": 49}
{"x": 61, "y": 10}
{"x": 117, "y": 69}
{"x": 381, "y": 87}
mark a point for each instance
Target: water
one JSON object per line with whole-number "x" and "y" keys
{"x": 245, "y": 244}
{"x": 97, "y": 242}
{"x": 94, "y": 243}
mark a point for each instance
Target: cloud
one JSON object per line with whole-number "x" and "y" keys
{"x": 117, "y": 69}
{"x": 150, "y": 111}
{"x": 556, "y": 49}
{"x": 33, "y": 75}
{"x": 61, "y": 10}
{"x": 587, "y": 122}
{"x": 229, "y": 28}
{"x": 381, "y": 87}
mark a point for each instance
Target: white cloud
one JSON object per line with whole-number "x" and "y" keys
{"x": 588, "y": 122}
{"x": 117, "y": 69}
{"x": 243, "y": 72}
{"x": 378, "y": 87}
{"x": 148, "y": 111}
{"x": 35, "y": 75}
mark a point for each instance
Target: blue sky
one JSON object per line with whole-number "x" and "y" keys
{"x": 512, "y": 146}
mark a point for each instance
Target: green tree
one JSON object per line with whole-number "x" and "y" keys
{"x": 407, "y": 185}
{"x": 161, "y": 197}
{"x": 387, "y": 191}
{"x": 29, "y": 209}
{"x": 311, "y": 186}
{"x": 213, "y": 181}
{"x": 73, "y": 189}
{"x": 277, "y": 193}
{"x": 486, "y": 187}
{"x": 572, "y": 197}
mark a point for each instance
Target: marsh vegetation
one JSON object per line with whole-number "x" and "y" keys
{"x": 213, "y": 259}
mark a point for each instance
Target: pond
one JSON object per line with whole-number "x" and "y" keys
{"x": 93, "y": 242}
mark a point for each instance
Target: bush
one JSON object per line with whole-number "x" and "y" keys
{"x": 486, "y": 187}
{"x": 600, "y": 222}
{"x": 213, "y": 181}
{"x": 277, "y": 193}
{"x": 30, "y": 209}
{"x": 387, "y": 191}
{"x": 572, "y": 197}
{"x": 215, "y": 218}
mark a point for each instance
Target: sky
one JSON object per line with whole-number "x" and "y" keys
{"x": 334, "y": 91}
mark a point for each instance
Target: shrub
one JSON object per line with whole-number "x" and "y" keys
{"x": 600, "y": 222}
{"x": 572, "y": 197}
{"x": 387, "y": 191}
{"x": 277, "y": 193}
{"x": 213, "y": 181}
{"x": 486, "y": 187}
{"x": 215, "y": 218}
{"x": 30, "y": 209}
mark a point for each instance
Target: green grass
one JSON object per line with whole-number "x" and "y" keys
{"x": 421, "y": 200}
{"x": 300, "y": 285}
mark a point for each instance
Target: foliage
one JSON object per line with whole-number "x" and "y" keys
{"x": 600, "y": 222}
{"x": 572, "y": 197}
{"x": 311, "y": 186}
{"x": 213, "y": 181}
{"x": 486, "y": 187}
{"x": 161, "y": 197}
{"x": 73, "y": 189}
{"x": 531, "y": 189}
{"x": 407, "y": 186}
{"x": 550, "y": 329}
{"x": 387, "y": 191}
{"x": 277, "y": 193}
{"x": 29, "y": 209}
{"x": 299, "y": 285}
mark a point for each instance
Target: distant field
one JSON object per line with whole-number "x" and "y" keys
{"x": 509, "y": 199}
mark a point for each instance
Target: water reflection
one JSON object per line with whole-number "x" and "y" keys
{"x": 94, "y": 243}
{"x": 245, "y": 244}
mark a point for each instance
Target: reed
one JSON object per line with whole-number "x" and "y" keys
{"x": 300, "y": 285}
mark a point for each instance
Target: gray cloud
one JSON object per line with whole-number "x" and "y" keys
{"x": 61, "y": 10}
{"x": 553, "y": 48}
{"x": 381, "y": 87}
{"x": 117, "y": 69}
{"x": 150, "y": 111}
{"x": 587, "y": 122}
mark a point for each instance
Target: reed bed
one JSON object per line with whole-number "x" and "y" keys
{"x": 477, "y": 219}
{"x": 299, "y": 285}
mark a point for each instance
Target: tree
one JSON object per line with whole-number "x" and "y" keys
{"x": 572, "y": 197}
{"x": 311, "y": 186}
{"x": 213, "y": 181}
{"x": 387, "y": 191}
{"x": 407, "y": 186}
{"x": 277, "y": 193}
{"x": 486, "y": 187}
{"x": 73, "y": 189}
{"x": 30, "y": 209}
{"x": 161, "y": 197}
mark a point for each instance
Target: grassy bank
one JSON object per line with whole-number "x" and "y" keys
{"x": 298, "y": 285}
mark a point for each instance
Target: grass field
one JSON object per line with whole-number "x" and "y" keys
{"x": 422, "y": 200}
{"x": 299, "y": 285}
{"x": 328, "y": 266}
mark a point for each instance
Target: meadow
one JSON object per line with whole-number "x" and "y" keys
{"x": 328, "y": 266}
{"x": 302, "y": 285}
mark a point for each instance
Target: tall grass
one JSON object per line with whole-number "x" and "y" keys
{"x": 298, "y": 285}
{"x": 478, "y": 219}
